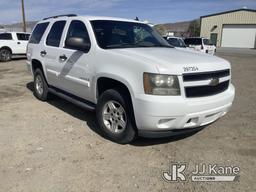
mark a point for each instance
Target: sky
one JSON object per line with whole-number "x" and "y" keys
{"x": 155, "y": 11}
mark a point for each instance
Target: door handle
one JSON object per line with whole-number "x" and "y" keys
{"x": 63, "y": 58}
{"x": 18, "y": 42}
{"x": 43, "y": 53}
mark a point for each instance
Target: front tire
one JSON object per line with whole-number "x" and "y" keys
{"x": 5, "y": 55}
{"x": 40, "y": 85}
{"x": 115, "y": 117}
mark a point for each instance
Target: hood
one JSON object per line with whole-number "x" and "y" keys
{"x": 174, "y": 61}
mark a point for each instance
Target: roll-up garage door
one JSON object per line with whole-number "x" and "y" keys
{"x": 239, "y": 36}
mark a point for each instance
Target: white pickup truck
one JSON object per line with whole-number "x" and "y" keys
{"x": 124, "y": 70}
{"x": 13, "y": 44}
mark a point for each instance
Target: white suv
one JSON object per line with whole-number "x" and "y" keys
{"x": 13, "y": 44}
{"x": 201, "y": 44}
{"x": 123, "y": 69}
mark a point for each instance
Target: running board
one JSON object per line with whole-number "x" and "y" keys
{"x": 73, "y": 99}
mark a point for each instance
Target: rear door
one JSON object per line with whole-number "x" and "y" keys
{"x": 50, "y": 51}
{"x": 22, "y": 41}
{"x": 35, "y": 42}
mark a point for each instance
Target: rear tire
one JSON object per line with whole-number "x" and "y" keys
{"x": 115, "y": 117}
{"x": 40, "y": 85}
{"x": 5, "y": 55}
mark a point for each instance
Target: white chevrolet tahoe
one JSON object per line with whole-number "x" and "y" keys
{"x": 124, "y": 70}
{"x": 13, "y": 44}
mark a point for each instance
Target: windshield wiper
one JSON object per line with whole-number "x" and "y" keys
{"x": 121, "y": 45}
{"x": 131, "y": 45}
{"x": 167, "y": 46}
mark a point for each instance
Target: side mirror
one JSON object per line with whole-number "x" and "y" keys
{"x": 78, "y": 43}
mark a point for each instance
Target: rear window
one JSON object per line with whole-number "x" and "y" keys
{"x": 193, "y": 41}
{"x": 207, "y": 42}
{"x": 54, "y": 36}
{"x": 22, "y": 36}
{"x": 38, "y": 33}
{"x": 5, "y": 36}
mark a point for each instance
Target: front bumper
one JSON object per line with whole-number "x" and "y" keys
{"x": 165, "y": 113}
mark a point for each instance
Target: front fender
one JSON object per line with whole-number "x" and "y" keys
{"x": 114, "y": 77}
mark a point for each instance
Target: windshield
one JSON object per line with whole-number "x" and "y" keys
{"x": 176, "y": 42}
{"x": 120, "y": 34}
{"x": 207, "y": 42}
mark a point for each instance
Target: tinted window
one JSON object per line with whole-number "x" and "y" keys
{"x": 54, "y": 36}
{"x": 176, "y": 42}
{"x": 78, "y": 29}
{"x": 22, "y": 36}
{"x": 120, "y": 34}
{"x": 193, "y": 41}
{"x": 207, "y": 42}
{"x": 38, "y": 32}
{"x": 6, "y": 36}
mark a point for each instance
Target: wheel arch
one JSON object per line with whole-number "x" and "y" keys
{"x": 35, "y": 64}
{"x": 6, "y": 47}
{"x": 106, "y": 82}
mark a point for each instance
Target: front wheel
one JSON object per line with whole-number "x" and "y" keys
{"x": 114, "y": 116}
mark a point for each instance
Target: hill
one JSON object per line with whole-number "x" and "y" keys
{"x": 18, "y": 26}
{"x": 185, "y": 28}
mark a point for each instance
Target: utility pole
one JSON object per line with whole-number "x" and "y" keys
{"x": 23, "y": 16}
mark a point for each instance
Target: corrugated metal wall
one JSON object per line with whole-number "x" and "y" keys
{"x": 214, "y": 24}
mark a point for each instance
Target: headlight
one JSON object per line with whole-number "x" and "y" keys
{"x": 156, "y": 84}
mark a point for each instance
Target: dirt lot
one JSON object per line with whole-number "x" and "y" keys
{"x": 54, "y": 146}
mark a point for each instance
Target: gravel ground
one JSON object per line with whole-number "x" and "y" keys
{"x": 55, "y": 146}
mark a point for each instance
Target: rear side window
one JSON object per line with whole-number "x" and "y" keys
{"x": 193, "y": 41}
{"x": 38, "y": 32}
{"x": 54, "y": 36}
{"x": 5, "y": 36}
{"x": 78, "y": 29}
{"x": 207, "y": 42}
{"x": 22, "y": 36}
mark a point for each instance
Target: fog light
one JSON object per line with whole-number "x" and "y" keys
{"x": 165, "y": 123}
{"x": 192, "y": 122}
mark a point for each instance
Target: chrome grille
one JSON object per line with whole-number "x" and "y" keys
{"x": 208, "y": 89}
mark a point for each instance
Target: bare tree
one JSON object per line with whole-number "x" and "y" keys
{"x": 194, "y": 28}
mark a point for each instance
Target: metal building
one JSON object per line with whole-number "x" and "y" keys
{"x": 236, "y": 28}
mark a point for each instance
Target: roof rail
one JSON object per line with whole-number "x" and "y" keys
{"x": 56, "y": 16}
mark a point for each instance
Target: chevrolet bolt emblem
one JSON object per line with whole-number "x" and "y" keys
{"x": 214, "y": 81}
